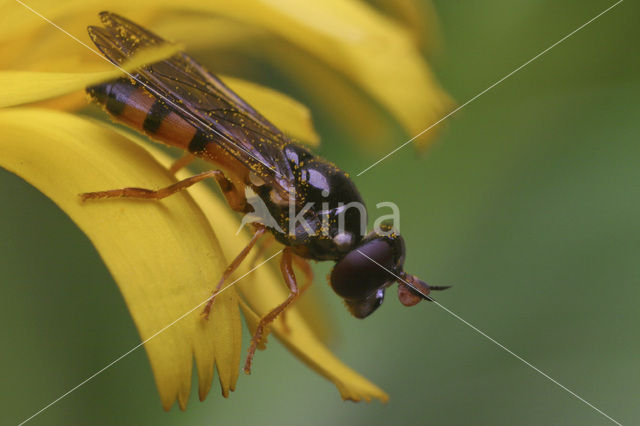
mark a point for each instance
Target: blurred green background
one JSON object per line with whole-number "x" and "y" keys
{"x": 529, "y": 204}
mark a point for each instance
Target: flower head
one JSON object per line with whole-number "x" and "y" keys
{"x": 167, "y": 256}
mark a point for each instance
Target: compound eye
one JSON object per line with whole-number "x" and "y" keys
{"x": 365, "y": 307}
{"x": 355, "y": 277}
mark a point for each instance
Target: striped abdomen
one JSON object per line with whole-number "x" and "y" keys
{"x": 136, "y": 107}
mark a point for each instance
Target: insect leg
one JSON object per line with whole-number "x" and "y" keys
{"x": 289, "y": 277}
{"x": 262, "y": 248}
{"x": 231, "y": 269}
{"x": 305, "y": 267}
{"x": 235, "y": 198}
{"x": 181, "y": 162}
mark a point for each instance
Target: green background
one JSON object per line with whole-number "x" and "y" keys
{"x": 529, "y": 204}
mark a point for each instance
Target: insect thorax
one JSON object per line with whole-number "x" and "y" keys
{"x": 326, "y": 217}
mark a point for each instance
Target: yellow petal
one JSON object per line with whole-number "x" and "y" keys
{"x": 369, "y": 50}
{"x": 264, "y": 289}
{"x": 287, "y": 114}
{"x": 19, "y": 87}
{"x": 163, "y": 255}
{"x": 354, "y": 115}
{"x": 417, "y": 15}
{"x": 198, "y": 31}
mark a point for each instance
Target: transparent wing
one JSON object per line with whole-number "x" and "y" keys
{"x": 202, "y": 99}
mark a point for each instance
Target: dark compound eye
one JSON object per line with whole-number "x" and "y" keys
{"x": 355, "y": 277}
{"x": 365, "y": 307}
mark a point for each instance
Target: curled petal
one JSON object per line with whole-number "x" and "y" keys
{"x": 20, "y": 87}
{"x": 286, "y": 113}
{"x": 163, "y": 255}
{"x": 367, "y": 49}
{"x": 264, "y": 289}
{"x": 417, "y": 15}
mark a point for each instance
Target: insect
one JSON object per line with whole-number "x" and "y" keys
{"x": 178, "y": 102}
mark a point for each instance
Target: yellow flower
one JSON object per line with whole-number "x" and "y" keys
{"x": 166, "y": 256}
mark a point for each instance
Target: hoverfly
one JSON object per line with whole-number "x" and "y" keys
{"x": 178, "y": 102}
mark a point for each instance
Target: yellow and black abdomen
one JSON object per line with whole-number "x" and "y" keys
{"x": 136, "y": 107}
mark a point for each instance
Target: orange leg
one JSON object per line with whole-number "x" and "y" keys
{"x": 289, "y": 277}
{"x": 305, "y": 267}
{"x": 181, "y": 162}
{"x": 262, "y": 247}
{"x": 231, "y": 269}
{"x": 236, "y": 199}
